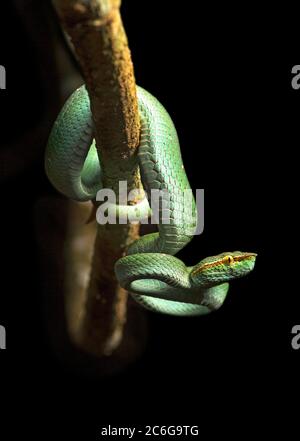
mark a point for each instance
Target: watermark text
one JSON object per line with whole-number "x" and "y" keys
{"x": 296, "y": 339}
{"x": 296, "y": 78}
{"x": 2, "y": 337}
{"x": 2, "y": 77}
{"x": 162, "y": 208}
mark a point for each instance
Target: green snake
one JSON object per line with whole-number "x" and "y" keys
{"x": 156, "y": 279}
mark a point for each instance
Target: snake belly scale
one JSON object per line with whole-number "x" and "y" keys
{"x": 156, "y": 279}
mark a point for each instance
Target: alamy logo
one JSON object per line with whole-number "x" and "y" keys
{"x": 296, "y": 77}
{"x": 189, "y": 213}
{"x": 2, "y": 337}
{"x": 296, "y": 339}
{"x": 2, "y": 77}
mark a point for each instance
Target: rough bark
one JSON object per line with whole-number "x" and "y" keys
{"x": 100, "y": 44}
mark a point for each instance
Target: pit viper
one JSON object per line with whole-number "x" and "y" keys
{"x": 156, "y": 279}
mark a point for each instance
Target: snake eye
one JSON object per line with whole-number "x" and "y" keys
{"x": 229, "y": 259}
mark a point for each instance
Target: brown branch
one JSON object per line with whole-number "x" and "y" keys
{"x": 100, "y": 43}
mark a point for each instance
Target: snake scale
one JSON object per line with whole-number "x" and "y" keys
{"x": 156, "y": 279}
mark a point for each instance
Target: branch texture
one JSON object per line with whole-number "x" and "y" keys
{"x": 100, "y": 44}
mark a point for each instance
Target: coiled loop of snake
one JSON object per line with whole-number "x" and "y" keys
{"x": 154, "y": 276}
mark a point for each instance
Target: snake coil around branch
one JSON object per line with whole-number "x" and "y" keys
{"x": 157, "y": 279}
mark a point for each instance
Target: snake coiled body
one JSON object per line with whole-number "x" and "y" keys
{"x": 155, "y": 277}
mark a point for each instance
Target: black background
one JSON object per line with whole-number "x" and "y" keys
{"x": 224, "y": 75}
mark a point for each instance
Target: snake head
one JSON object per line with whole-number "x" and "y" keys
{"x": 222, "y": 268}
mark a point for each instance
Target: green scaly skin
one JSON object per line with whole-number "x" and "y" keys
{"x": 156, "y": 279}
